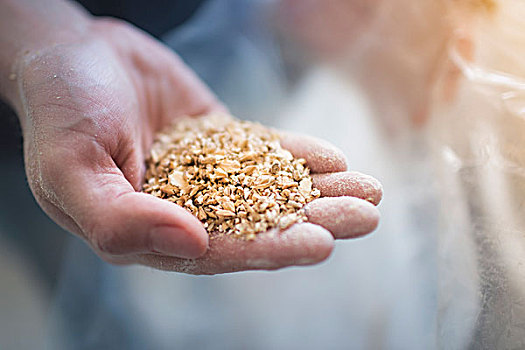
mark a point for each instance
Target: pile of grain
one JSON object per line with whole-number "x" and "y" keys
{"x": 232, "y": 175}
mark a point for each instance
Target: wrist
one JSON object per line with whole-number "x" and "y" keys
{"x": 28, "y": 28}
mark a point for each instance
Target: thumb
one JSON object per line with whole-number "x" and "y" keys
{"x": 131, "y": 222}
{"x": 115, "y": 220}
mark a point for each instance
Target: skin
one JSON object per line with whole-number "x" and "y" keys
{"x": 91, "y": 94}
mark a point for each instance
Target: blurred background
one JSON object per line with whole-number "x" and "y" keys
{"x": 426, "y": 96}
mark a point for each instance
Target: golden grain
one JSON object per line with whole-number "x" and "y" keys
{"x": 233, "y": 175}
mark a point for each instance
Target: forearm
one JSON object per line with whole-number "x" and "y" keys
{"x": 27, "y": 26}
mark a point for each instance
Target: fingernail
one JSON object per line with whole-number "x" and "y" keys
{"x": 177, "y": 242}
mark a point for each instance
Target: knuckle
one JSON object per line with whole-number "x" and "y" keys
{"x": 113, "y": 26}
{"x": 100, "y": 237}
{"x": 103, "y": 242}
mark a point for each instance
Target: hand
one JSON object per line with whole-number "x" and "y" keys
{"x": 89, "y": 111}
{"x": 345, "y": 210}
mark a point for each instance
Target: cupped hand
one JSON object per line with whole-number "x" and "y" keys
{"x": 89, "y": 110}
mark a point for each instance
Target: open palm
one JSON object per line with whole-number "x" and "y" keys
{"x": 89, "y": 112}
